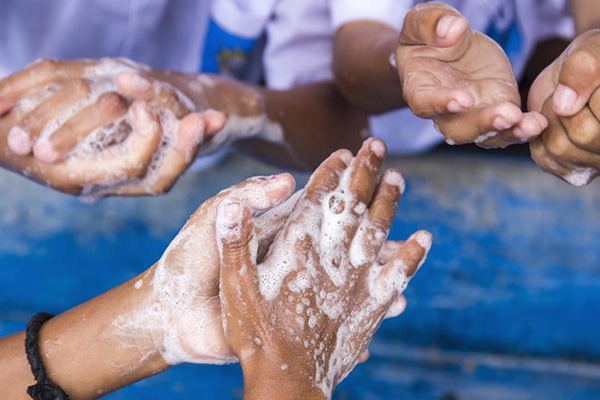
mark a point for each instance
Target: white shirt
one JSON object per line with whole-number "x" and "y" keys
{"x": 301, "y": 29}
{"x": 182, "y": 35}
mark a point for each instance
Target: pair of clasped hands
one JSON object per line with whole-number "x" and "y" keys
{"x": 462, "y": 80}
{"x": 459, "y": 78}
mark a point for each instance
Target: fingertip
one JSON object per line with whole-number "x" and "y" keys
{"x": 134, "y": 85}
{"x": 280, "y": 187}
{"x": 397, "y": 307}
{"x": 191, "y": 131}
{"x": 5, "y": 106}
{"x": 461, "y": 101}
{"x": 18, "y": 141}
{"x": 450, "y": 28}
{"x": 214, "y": 121}
{"x": 395, "y": 178}
{"x": 564, "y": 100}
{"x": 43, "y": 151}
{"x": 424, "y": 239}
{"x": 541, "y": 120}
{"x": 346, "y": 156}
{"x": 378, "y": 148}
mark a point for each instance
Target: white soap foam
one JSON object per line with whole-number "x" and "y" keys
{"x": 581, "y": 176}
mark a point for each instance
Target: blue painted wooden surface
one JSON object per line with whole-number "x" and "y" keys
{"x": 507, "y": 306}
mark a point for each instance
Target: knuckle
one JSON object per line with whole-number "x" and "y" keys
{"x": 558, "y": 144}
{"x": 112, "y": 101}
{"x": 582, "y": 132}
{"x": 584, "y": 62}
{"x": 78, "y": 87}
{"x": 46, "y": 66}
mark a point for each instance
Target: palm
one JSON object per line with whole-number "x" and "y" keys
{"x": 463, "y": 81}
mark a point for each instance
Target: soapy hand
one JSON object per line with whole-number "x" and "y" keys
{"x": 103, "y": 127}
{"x": 461, "y": 79}
{"x": 182, "y": 313}
{"x": 304, "y": 315}
{"x": 567, "y": 93}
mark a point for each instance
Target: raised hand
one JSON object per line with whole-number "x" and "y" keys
{"x": 567, "y": 94}
{"x": 302, "y": 318}
{"x": 461, "y": 79}
{"x": 105, "y": 127}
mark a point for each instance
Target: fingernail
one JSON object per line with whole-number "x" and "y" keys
{"x": 44, "y": 152}
{"x": 141, "y": 83}
{"x": 454, "y": 106}
{"x": 445, "y": 24}
{"x": 232, "y": 211}
{"x": 18, "y": 141}
{"x": 394, "y": 177}
{"x": 500, "y": 123}
{"x": 519, "y": 134}
{"x": 564, "y": 97}
{"x": 424, "y": 239}
{"x": 378, "y": 148}
{"x": 346, "y": 157}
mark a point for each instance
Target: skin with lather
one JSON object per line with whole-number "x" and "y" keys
{"x": 165, "y": 118}
{"x": 160, "y": 120}
{"x": 226, "y": 289}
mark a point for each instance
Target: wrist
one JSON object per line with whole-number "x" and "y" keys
{"x": 273, "y": 378}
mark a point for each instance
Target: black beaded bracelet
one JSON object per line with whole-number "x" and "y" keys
{"x": 45, "y": 389}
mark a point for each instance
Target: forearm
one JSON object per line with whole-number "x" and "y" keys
{"x": 83, "y": 351}
{"x": 362, "y": 66}
{"x": 295, "y": 128}
{"x": 278, "y": 380}
{"x": 586, "y": 15}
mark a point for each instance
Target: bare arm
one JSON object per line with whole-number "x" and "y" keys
{"x": 296, "y": 128}
{"x": 586, "y": 15}
{"x": 168, "y": 315}
{"x": 80, "y": 351}
{"x": 362, "y": 66}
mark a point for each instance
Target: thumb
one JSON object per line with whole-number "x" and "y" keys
{"x": 433, "y": 24}
{"x": 214, "y": 121}
{"x": 237, "y": 250}
{"x": 579, "y": 77}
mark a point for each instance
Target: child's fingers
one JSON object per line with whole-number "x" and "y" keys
{"x": 364, "y": 170}
{"x": 397, "y": 272}
{"x": 259, "y": 194}
{"x": 389, "y": 250}
{"x": 544, "y": 159}
{"x": 326, "y": 177}
{"x": 24, "y": 134}
{"x": 397, "y": 307}
{"x": 108, "y": 108}
{"x": 111, "y": 170}
{"x": 157, "y": 94}
{"x": 364, "y": 357}
{"x": 430, "y": 99}
{"x": 579, "y": 76}
{"x": 214, "y": 121}
{"x": 178, "y": 155}
{"x": 433, "y": 24}
{"x": 531, "y": 125}
{"x": 34, "y": 77}
{"x": 583, "y": 128}
{"x": 268, "y": 225}
{"x": 480, "y": 124}
{"x": 234, "y": 232}
{"x": 373, "y": 230}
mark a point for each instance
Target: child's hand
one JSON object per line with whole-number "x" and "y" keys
{"x": 99, "y": 126}
{"x": 182, "y": 311}
{"x": 302, "y": 318}
{"x": 461, "y": 79}
{"x": 567, "y": 94}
